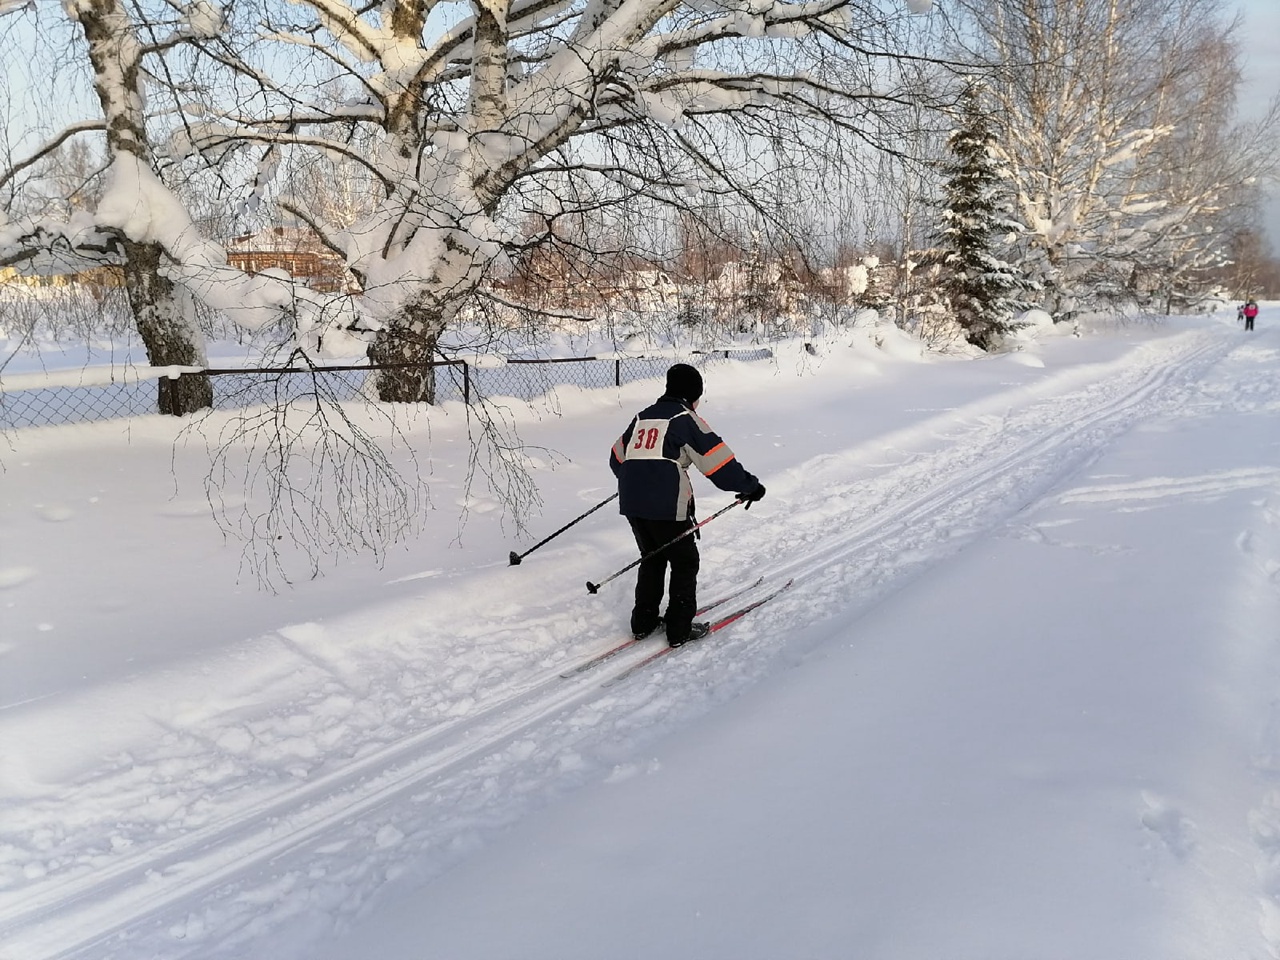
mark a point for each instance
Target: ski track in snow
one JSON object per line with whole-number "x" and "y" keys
{"x": 331, "y": 772}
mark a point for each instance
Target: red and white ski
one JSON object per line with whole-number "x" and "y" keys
{"x": 720, "y": 624}
{"x": 612, "y": 652}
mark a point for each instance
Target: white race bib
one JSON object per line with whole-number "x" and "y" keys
{"x": 648, "y": 440}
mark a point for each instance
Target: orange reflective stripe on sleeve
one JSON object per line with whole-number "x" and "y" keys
{"x": 709, "y": 456}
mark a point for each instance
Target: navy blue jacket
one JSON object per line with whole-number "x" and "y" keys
{"x": 653, "y": 453}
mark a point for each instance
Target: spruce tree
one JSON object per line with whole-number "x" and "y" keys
{"x": 982, "y": 288}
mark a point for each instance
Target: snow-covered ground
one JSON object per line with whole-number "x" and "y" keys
{"x": 1019, "y": 704}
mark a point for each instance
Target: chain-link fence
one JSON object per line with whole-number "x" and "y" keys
{"x": 43, "y": 404}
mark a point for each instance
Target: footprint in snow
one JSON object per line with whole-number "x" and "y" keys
{"x": 1168, "y": 824}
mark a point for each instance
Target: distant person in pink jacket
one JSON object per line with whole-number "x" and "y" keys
{"x": 1250, "y": 311}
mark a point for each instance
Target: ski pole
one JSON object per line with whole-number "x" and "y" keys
{"x": 517, "y": 557}
{"x": 595, "y": 587}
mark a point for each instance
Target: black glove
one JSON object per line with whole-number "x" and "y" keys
{"x": 751, "y": 496}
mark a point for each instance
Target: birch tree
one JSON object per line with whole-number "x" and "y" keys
{"x": 1100, "y": 101}
{"x": 477, "y": 116}
{"x": 1204, "y": 177}
{"x": 466, "y": 125}
{"x": 114, "y": 53}
{"x": 138, "y": 222}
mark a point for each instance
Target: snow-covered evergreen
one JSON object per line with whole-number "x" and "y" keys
{"x": 983, "y": 289}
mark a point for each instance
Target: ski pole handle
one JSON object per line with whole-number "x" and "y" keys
{"x": 517, "y": 557}
{"x": 595, "y": 587}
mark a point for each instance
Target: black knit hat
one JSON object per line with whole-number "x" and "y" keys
{"x": 685, "y": 382}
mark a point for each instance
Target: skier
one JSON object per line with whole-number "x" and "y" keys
{"x": 1240, "y": 314}
{"x": 654, "y": 494}
{"x": 1250, "y": 311}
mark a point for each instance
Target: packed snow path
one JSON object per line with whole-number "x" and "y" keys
{"x": 331, "y": 761}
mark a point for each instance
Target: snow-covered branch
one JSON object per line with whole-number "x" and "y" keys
{"x": 453, "y": 111}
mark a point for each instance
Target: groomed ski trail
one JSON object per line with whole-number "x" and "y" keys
{"x": 418, "y": 804}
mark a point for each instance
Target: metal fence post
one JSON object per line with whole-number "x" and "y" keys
{"x": 466, "y": 383}
{"x": 617, "y": 371}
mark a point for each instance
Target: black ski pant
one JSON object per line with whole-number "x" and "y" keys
{"x": 1248, "y": 323}
{"x": 682, "y": 557}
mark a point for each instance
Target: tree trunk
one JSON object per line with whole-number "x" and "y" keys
{"x": 168, "y": 337}
{"x": 410, "y": 339}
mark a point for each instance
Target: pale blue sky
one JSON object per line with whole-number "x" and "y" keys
{"x": 1261, "y": 39}
{"x": 1261, "y": 45}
